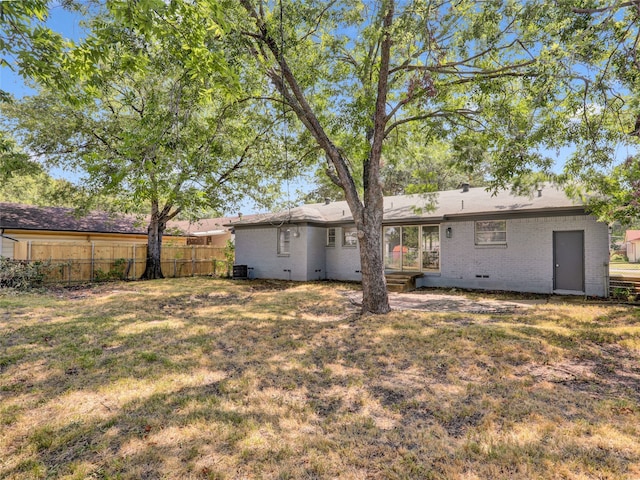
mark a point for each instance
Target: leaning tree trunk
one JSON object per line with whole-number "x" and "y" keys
{"x": 153, "y": 268}
{"x": 367, "y": 214}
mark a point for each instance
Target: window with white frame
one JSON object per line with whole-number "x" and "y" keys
{"x": 284, "y": 240}
{"x": 491, "y": 232}
{"x": 331, "y": 237}
{"x": 349, "y": 237}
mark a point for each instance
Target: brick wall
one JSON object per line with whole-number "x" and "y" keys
{"x": 525, "y": 263}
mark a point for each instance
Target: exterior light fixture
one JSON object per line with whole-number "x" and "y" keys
{"x": 448, "y": 232}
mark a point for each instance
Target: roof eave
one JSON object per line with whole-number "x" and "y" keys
{"x": 546, "y": 211}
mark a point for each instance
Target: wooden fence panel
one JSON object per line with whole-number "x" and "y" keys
{"x": 82, "y": 262}
{"x": 20, "y": 250}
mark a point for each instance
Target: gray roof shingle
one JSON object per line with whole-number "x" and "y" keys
{"x": 437, "y": 206}
{"x": 30, "y": 217}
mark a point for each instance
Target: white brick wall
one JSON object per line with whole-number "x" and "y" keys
{"x": 343, "y": 263}
{"x": 257, "y": 247}
{"x": 526, "y": 262}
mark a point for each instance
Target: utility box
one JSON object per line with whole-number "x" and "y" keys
{"x": 239, "y": 271}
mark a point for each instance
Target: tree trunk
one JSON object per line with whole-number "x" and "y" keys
{"x": 367, "y": 214}
{"x": 375, "y": 298}
{"x": 157, "y": 224}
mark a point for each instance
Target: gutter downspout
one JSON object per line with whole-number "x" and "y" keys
{"x": 2, "y": 235}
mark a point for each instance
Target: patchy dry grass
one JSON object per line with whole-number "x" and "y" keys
{"x": 202, "y": 378}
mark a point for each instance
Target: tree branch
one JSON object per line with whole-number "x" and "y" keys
{"x": 440, "y": 113}
{"x": 371, "y": 172}
{"x": 607, "y": 9}
{"x": 298, "y": 102}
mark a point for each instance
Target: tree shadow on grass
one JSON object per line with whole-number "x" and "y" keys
{"x": 213, "y": 389}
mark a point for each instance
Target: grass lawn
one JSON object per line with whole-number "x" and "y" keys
{"x": 213, "y": 379}
{"x": 624, "y": 266}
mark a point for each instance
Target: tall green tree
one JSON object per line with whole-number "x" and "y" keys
{"x": 135, "y": 113}
{"x": 409, "y": 166}
{"x": 39, "y": 188}
{"x": 22, "y": 31}
{"x": 356, "y": 74}
{"x": 596, "y": 53}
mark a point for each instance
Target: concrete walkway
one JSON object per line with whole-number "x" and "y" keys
{"x": 446, "y": 303}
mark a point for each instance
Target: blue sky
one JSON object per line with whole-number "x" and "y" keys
{"x": 68, "y": 24}
{"x": 60, "y": 20}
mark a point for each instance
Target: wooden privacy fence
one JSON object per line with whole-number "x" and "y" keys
{"x": 85, "y": 262}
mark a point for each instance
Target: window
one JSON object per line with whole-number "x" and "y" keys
{"x": 331, "y": 237}
{"x": 491, "y": 232}
{"x": 412, "y": 248}
{"x": 349, "y": 237}
{"x": 431, "y": 247}
{"x": 284, "y": 240}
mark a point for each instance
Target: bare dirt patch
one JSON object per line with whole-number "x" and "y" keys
{"x": 440, "y": 302}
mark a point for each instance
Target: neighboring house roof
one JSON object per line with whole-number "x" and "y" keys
{"x": 631, "y": 235}
{"x": 433, "y": 207}
{"x": 209, "y": 226}
{"x": 29, "y": 217}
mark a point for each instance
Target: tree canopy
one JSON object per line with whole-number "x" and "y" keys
{"x": 597, "y": 46}
{"x": 132, "y": 110}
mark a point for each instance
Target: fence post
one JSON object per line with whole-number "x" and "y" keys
{"x": 29, "y": 250}
{"x": 193, "y": 261}
{"x": 135, "y": 260}
{"x": 70, "y": 268}
{"x": 175, "y": 267}
{"x": 92, "y": 260}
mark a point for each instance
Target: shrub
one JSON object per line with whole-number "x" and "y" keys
{"x": 616, "y": 257}
{"x": 117, "y": 271}
{"x": 229, "y": 255}
{"x": 22, "y": 274}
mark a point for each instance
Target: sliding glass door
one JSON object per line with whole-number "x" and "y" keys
{"x": 392, "y": 248}
{"x": 430, "y": 248}
{"x": 412, "y": 248}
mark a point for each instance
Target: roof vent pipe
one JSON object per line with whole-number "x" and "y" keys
{"x": 539, "y": 192}
{"x": 327, "y": 200}
{"x": 465, "y": 187}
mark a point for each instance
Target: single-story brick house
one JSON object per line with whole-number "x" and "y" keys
{"x": 632, "y": 245}
{"x": 469, "y": 238}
